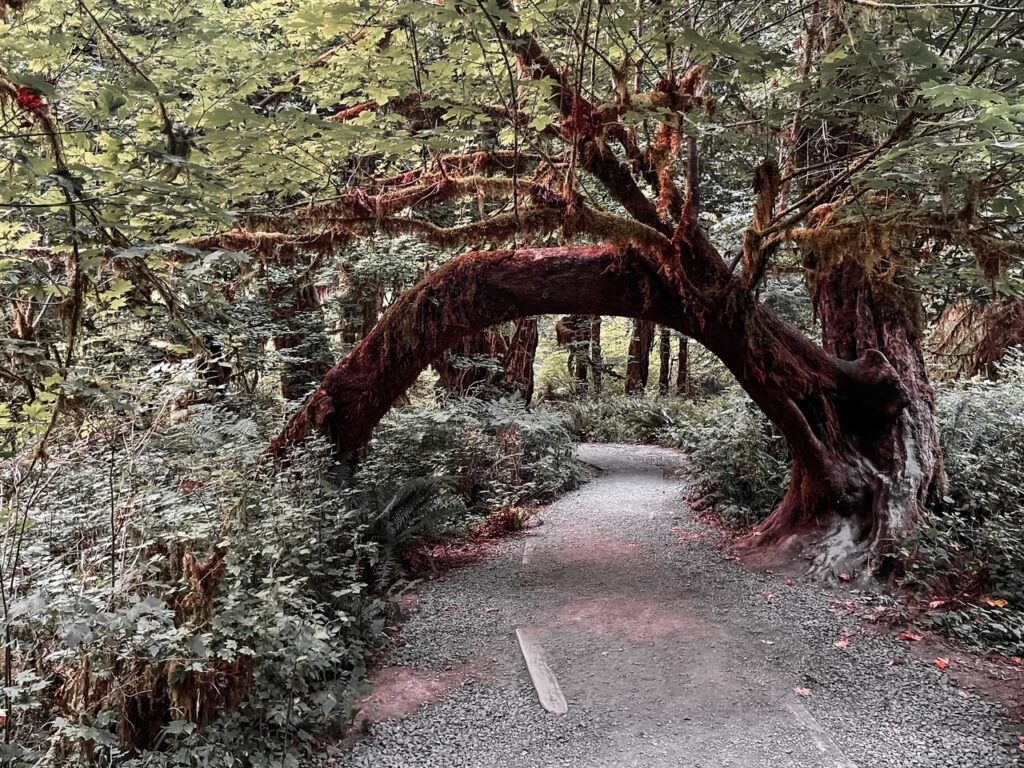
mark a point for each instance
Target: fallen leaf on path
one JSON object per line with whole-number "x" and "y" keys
{"x": 995, "y": 602}
{"x": 845, "y": 577}
{"x": 1018, "y": 660}
{"x": 841, "y": 643}
{"x": 789, "y": 582}
{"x": 910, "y": 637}
{"x": 768, "y": 595}
{"x": 934, "y": 604}
{"x": 942, "y": 663}
{"x": 802, "y": 691}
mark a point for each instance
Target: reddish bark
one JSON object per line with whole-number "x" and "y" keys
{"x": 878, "y": 467}
{"x": 506, "y": 358}
{"x": 1002, "y": 328}
{"x": 639, "y": 364}
{"x": 581, "y": 335}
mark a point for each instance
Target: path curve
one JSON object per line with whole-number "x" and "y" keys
{"x": 669, "y": 655}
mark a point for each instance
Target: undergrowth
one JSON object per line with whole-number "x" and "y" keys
{"x": 967, "y": 559}
{"x": 177, "y": 601}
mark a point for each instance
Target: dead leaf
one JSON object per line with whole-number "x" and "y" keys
{"x": 995, "y": 602}
{"x": 845, "y": 577}
{"x": 942, "y": 663}
{"x": 768, "y": 642}
{"x": 802, "y": 691}
{"x": 910, "y": 637}
{"x": 936, "y": 604}
{"x": 768, "y": 595}
{"x": 789, "y": 582}
{"x": 841, "y": 643}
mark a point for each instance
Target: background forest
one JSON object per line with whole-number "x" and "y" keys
{"x": 205, "y": 205}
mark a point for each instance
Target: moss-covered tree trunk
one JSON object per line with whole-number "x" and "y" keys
{"x": 638, "y": 366}
{"x": 683, "y": 366}
{"x": 863, "y": 448}
{"x": 664, "y": 360}
{"x": 876, "y": 460}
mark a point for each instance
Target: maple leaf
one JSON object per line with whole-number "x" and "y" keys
{"x": 910, "y": 637}
{"x": 942, "y": 663}
{"x": 841, "y": 643}
{"x": 802, "y": 691}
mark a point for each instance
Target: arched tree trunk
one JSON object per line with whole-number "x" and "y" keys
{"x": 664, "y": 360}
{"x": 834, "y": 414}
{"x": 683, "y": 366}
{"x": 638, "y": 366}
{"x": 882, "y": 466}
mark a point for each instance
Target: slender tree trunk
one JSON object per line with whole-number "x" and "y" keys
{"x": 596, "y": 355}
{"x": 683, "y": 367}
{"x": 1002, "y": 328}
{"x": 519, "y": 357}
{"x": 575, "y": 332}
{"x": 639, "y": 364}
{"x": 665, "y": 360}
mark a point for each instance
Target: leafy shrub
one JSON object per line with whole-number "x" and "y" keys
{"x": 971, "y": 547}
{"x": 621, "y": 419}
{"x": 492, "y": 453}
{"x": 738, "y": 462}
{"x": 177, "y": 601}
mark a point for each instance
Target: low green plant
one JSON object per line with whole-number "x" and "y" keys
{"x": 737, "y": 461}
{"x": 176, "y": 600}
{"x": 969, "y": 552}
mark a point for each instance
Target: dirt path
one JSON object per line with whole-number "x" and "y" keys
{"x": 667, "y": 654}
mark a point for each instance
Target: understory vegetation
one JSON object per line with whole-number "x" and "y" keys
{"x": 178, "y": 601}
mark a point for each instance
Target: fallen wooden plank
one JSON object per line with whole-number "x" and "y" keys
{"x": 544, "y": 680}
{"x": 528, "y": 552}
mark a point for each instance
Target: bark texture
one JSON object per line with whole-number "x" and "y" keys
{"x": 665, "y": 360}
{"x": 638, "y": 367}
{"x": 683, "y": 367}
{"x": 505, "y": 361}
{"x": 877, "y": 468}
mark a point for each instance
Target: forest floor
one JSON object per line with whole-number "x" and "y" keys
{"x": 668, "y": 654}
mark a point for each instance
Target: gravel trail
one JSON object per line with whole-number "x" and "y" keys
{"x": 669, "y": 656}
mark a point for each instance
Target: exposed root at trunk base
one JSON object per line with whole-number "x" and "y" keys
{"x": 839, "y": 549}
